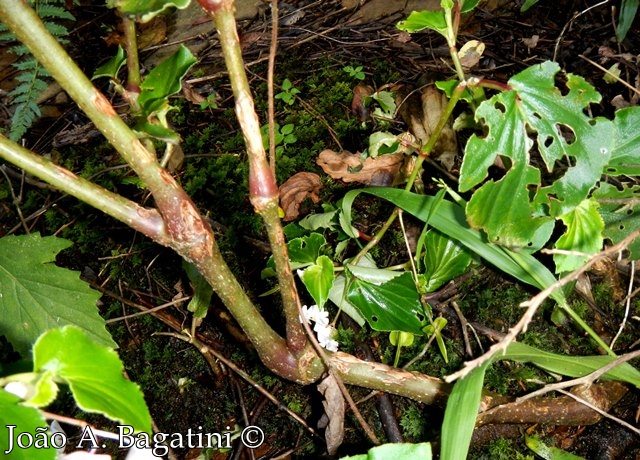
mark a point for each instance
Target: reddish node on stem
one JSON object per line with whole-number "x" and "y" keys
{"x": 211, "y": 6}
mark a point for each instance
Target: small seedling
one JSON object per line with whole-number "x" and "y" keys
{"x": 354, "y": 72}
{"x": 284, "y": 136}
{"x": 209, "y": 102}
{"x": 288, "y": 93}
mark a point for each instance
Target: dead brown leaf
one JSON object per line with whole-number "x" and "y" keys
{"x": 421, "y": 111}
{"x": 359, "y": 102}
{"x": 334, "y": 411}
{"x": 295, "y": 190}
{"x": 346, "y": 166}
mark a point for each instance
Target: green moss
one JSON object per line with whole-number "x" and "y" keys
{"x": 413, "y": 423}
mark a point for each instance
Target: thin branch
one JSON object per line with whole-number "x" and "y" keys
{"x": 272, "y": 63}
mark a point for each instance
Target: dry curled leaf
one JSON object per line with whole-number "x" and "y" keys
{"x": 346, "y": 166}
{"x": 421, "y": 111}
{"x": 333, "y": 417}
{"x": 470, "y": 53}
{"x": 295, "y": 190}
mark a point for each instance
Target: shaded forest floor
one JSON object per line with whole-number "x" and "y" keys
{"x": 318, "y": 39}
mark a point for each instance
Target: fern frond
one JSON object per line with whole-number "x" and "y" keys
{"x": 57, "y": 30}
{"x": 23, "y": 118}
{"x": 47, "y": 10}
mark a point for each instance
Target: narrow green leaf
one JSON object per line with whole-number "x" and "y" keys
{"x": 36, "y": 295}
{"x": 583, "y": 234}
{"x": 165, "y": 80}
{"x": 25, "y": 420}
{"x": 318, "y": 279}
{"x": 548, "y": 452}
{"x": 449, "y": 219}
{"x": 571, "y": 366}
{"x": 460, "y": 415}
{"x": 94, "y": 374}
{"x": 628, "y": 10}
{"x": 398, "y": 451}
{"x": 528, "y": 4}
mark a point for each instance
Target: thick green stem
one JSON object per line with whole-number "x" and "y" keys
{"x": 184, "y": 228}
{"x": 262, "y": 185}
{"x": 144, "y": 220}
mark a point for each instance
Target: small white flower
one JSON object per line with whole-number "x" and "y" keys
{"x": 322, "y": 327}
{"x": 20, "y": 389}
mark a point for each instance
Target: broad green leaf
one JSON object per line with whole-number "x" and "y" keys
{"x": 620, "y": 211}
{"x": 318, "y": 279}
{"x": 468, "y": 5}
{"x": 112, "y": 66}
{"x": 401, "y": 339}
{"x": 625, "y": 158}
{"x": 391, "y": 306}
{"x": 421, "y": 20}
{"x": 202, "y": 291}
{"x": 398, "y": 451}
{"x": 146, "y": 9}
{"x": 449, "y": 219}
{"x": 318, "y": 221}
{"x": 548, "y": 452}
{"x": 387, "y": 103}
{"x": 444, "y": 259}
{"x": 36, "y": 295}
{"x": 382, "y": 143}
{"x": 460, "y": 415}
{"x": 338, "y": 297}
{"x": 94, "y": 374}
{"x": 583, "y": 234}
{"x": 628, "y": 10}
{"x": 26, "y": 420}
{"x": 46, "y": 390}
{"x": 165, "y": 80}
{"x": 157, "y": 131}
{"x": 571, "y": 366}
{"x": 305, "y": 250}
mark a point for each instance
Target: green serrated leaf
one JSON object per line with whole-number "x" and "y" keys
{"x": 202, "y": 291}
{"x": 111, "y": 68}
{"x": 165, "y": 80}
{"x": 386, "y": 101}
{"x": 620, "y": 211}
{"x": 421, "y": 20}
{"x": 624, "y": 158}
{"x": 584, "y": 233}
{"x": 319, "y": 221}
{"x": 391, "y": 306}
{"x": 25, "y": 420}
{"x": 318, "y": 279}
{"x": 94, "y": 374}
{"x": 444, "y": 259}
{"x": 38, "y": 296}
{"x": 146, "y": 10}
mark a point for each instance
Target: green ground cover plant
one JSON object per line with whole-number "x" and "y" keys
{"x": 556, "y": 159}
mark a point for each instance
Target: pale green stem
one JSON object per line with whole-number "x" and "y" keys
{"x": 146, "y": 221}
{"x": 262, "y": 186}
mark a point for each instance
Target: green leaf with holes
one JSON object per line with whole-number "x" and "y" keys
{"x": 36, "y": 295}
{"x": 534, "y": 117}
{"x": 390, "y": 306}
{"x": 625, "y": 158}
{"x": 620, "y": 211}
{"x": 583, "y": 234}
